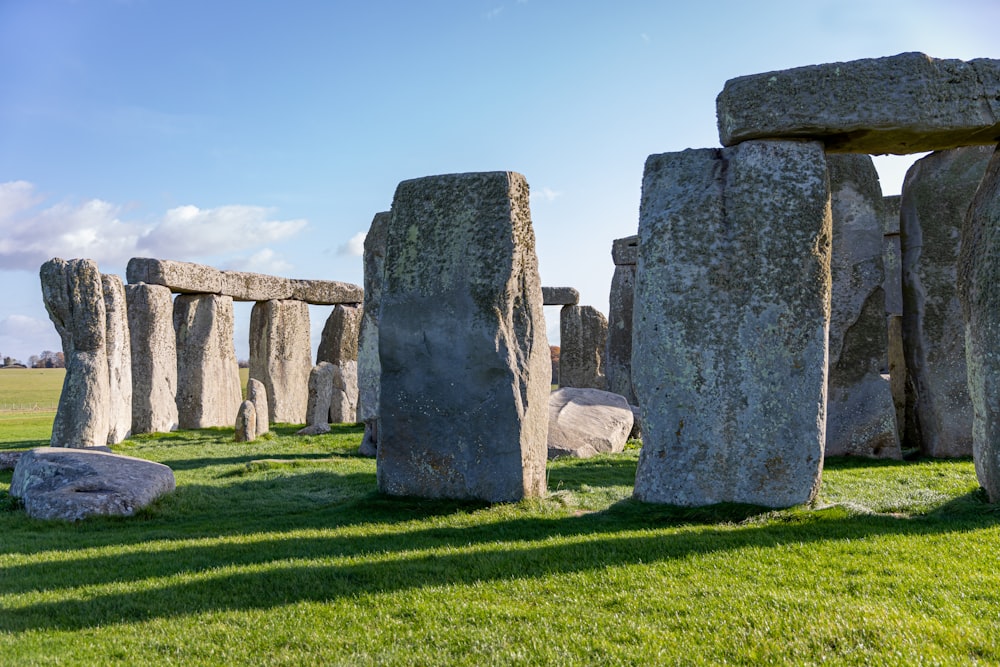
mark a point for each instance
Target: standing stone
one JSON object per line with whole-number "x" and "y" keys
{"x": 937, "y": 191}
{"x": 246, "y": 422}
{"x": 979, "y": 276}
{"x": 340, "y": 335}
{"x": 907, "y": 103}
{"x": 74, "y": 299}
{"x": 732, "y": 305}
{"x": 465, "y": 360}
{"x": 154, "y": 358}
{"x": 892, "y": 257}
{"x": 280, "y": 354}
{"x": 257, "y": 394}
{"x": 618, "y": 357}
{"x": 860, "y": 414}
{"x": 208, "y": 378}
{"x": 369, "y": 368}
{"x": 119, "y": 349}
{"x": 320, "y": 394}
{"x": 344, "y": 403}
{"x": 583, "y": 337}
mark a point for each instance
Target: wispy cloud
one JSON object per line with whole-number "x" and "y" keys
{"x": 20, "y": 332}
{"x": 31, "y": 233}
{"x": 495, "y": 12}
{"x": 544, "y": 195}
{"x": 645, "y": 38}
{"x": 262, "y": 261}
{"x": 355, "y": 246}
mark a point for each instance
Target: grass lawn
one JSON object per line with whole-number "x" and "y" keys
{"x": 282, "y": 552}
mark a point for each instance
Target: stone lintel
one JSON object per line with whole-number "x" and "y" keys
{"x": 625, "y": 252}
{"x": 560, "y": 296}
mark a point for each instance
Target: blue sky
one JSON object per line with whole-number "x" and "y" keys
{"x": 264, "y": 136}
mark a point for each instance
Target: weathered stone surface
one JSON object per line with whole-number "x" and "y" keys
{"x": 183, "y": 277}
{"x": 243, "y": 286}
{"x": 314, "y": 429}
{"x": 892, "y": 256}
{"x": 208, "y": 379}
{"x": 320, "y": 393}
{"x": 465, "y": 361}
{"x": 344, "y": 403}
{"x": 978, "y": 278}
{"x": 74, "y": 299}
{"x": 937, "y": 191}
{"x": 118, "y": 345}
{"x": 154, "y": 358}
{"x": 369, "y": 367}
{"x": 583, "y": 338}
{"x": 731, "y": 314}
{"x": 340, "y": 335}
{"x": 188, "y": 278}
{"x": 618, "y": 355}
{"x": 897, "y": 373}
{"x": 587, "y": 422}
{"x": 246, "y": 422}
{"x": 9, "y": 459}
{"x": 560, "y": 296}
{"x": 326, "y": 292}
{"x": 257, "y": 394}
{"x": 56, "y": 483}
{"x": 280, "y": 357}
{"x": 860, "y": 415}
{"x": 625, "y": 251}
{"x": 902, "y": 104}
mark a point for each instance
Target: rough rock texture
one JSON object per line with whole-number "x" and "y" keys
{"x": 314, "y": 429}
{"x": 74, "y": 298}
{"x": 587, "y": 422}
{"x": 340, "y": 335}
{"x": 465, "y": 360}
{"x": 731, "y": 313}
{"x": 188, "y": 278}
{"x": 154, "y": 358}
{"x": 257, "y": 394}
{"x": 860, "y": 414}
{"x": 937, "y": 191}
{"x": 119, "y": 348}
{"x": 320, "y": 393}
{"x": 56, "y": 483}
{"x": 583, "y": 338}
{"x": 892, "y": 257}
{"x": 618, "y": 355}
{"x": 344, "y": 403}
{"x": 897, "y": 373}
{"x": 9, "y": 459}
{"x": 208, "y": 378}
{"x": 369, "y": 367}
{"x": 183, "y": 277}
{"x": 902, "y": 104}
{"x": 246, "y": 422}
{"x": 560, "y": 296}
{"x": 280, "y": 357}
{"x": 979, "y": 275}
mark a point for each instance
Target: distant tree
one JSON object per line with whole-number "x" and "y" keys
{"x": 554, "y": 355}
{"x": 35, "y": 362}
{"x": 243, "y": 363}
{"x": 9, "y": 361}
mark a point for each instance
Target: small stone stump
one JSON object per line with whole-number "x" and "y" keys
{"x": 731, "y": 315}
{"x": 246, "y": 422}
{"x": 465, "y": 369}
{"x": 320, "y": 398}
{"x": 257, "y": 394}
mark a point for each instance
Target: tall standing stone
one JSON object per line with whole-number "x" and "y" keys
{"x": 208, "y": 379}
{"x": 732, "y": 303}
{"x": 618, "y": 357}
{"x": 937, "y": 191}
{"x": 339, "y": 341}
{"x": 369, "y": 367}
{"x": 74, "y": 299}
{"x": 119, "y": 348}
{"x": 154, "y": 358}
{"x": 583, "y": 337}
{"x": 978, "y": 280}
{"x": 465, "y": 360}
{"x": 280, "y": 354}
{"x": 860, "y": 417}
{"x": 892, "y": 257}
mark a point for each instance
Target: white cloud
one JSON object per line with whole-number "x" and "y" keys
{"x": 495, "y": 12}
{"x": 355, "y": 246}
{"x": 262, "y": 261}
{"x": 20, "y": 333}
{"x": 30, "y": 235}
{"x": 544, "y": 194}
{"x": 22, "y": 326}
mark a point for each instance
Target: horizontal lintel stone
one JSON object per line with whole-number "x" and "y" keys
{"x": 907, "y": 103}
{"x": 625, "y": 252}
{"x": 560, "y": 296}
{"x": 189, "y": 278}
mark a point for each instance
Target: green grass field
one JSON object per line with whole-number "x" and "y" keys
{"x": 281, "y": 551}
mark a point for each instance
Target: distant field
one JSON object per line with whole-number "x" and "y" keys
{"x": 30, "y": 389}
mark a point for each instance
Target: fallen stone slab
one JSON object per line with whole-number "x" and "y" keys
{"x": 314, "y": 429}
{"x": 8, "y": 460}
{"x": 560, "y": 296}
{"x": 587, "y": 422}
{"x": 908, "y": 103}
{"x": 73, "y": 484}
